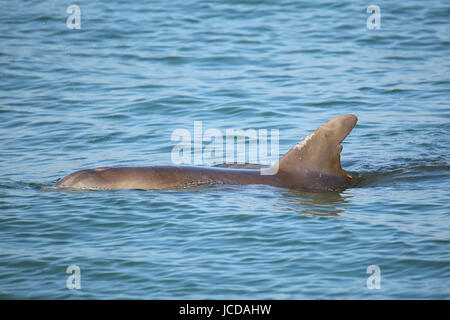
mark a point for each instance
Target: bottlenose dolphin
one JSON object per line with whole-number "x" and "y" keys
{"x": 313, "y": 164}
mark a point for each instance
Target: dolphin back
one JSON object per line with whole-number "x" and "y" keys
{"x": 312, "y": 164}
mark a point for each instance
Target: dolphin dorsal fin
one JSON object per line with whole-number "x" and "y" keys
{"x": 320, "y": 151}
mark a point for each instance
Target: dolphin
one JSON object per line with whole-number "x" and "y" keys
{"x": 313, "y": 164}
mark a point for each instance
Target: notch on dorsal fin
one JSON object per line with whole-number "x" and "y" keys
{"x": 320, "y": 151}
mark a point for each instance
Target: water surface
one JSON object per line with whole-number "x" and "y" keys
{"x": 113, "y": 92}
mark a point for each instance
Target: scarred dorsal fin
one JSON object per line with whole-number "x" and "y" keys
{"x": 320, "y": 151}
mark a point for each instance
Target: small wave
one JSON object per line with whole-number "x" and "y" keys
{"x": 396, "y": 175}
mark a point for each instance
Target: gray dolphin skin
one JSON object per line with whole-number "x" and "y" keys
{"x": 313, "y": 164}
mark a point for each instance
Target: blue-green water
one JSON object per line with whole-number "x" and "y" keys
{"x": 112, "y": 93}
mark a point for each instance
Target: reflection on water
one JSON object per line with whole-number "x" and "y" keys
{"x": 313, "y": 203}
